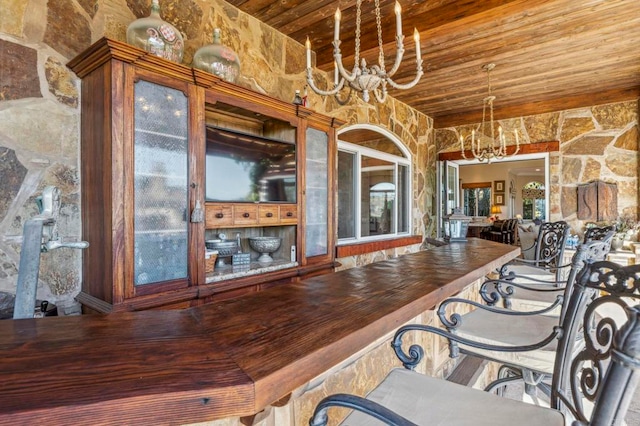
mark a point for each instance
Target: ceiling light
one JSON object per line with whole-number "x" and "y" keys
{"x": 365, "y": 78}
{"x": 485, "y": 146}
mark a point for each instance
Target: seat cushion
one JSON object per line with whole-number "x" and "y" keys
{"x": 523, "y": 271}
{"x": 426, "y": 400}
{"x": 488, "y": 327}
{"x": 530, "y": 300}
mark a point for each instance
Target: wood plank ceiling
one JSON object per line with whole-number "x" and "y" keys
{"x": 550, "y": 55}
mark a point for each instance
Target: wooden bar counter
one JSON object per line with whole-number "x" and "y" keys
{"x": 226, "y": 359}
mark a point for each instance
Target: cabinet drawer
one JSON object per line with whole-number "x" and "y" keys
{"x": 245, "y": 214}
{"x": 289, "y": 214}
{"x": 218, "y": 215}
{"x": 268, "y": 215}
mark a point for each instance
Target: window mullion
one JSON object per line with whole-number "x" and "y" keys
{"x": 358, "y": 192}
{"x": 395, "y": 197}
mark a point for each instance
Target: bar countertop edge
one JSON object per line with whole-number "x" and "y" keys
{"x": 231, "y": 358}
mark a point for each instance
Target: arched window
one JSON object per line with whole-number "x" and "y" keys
{"x": 533, "y": 201}
{"x": 374, "y": 184}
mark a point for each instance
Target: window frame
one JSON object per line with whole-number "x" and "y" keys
{"x": 476, "y": 187}
{"x": 359, "y": 151}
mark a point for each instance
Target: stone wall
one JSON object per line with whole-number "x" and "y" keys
{"x": 599, "y": 142}
{"x": 39, "y": 128}
{"x": 40, "y": 119}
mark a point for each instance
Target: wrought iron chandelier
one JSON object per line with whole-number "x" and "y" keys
{"x": 365, "y": 78}
{"x": 485, "y": 146}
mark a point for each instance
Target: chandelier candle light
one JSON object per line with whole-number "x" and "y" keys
{"x": 363, "y": 78}
{"x": 483, "y": 145}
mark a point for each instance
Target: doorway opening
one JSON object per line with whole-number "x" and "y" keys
{"x": 501, "y": 184}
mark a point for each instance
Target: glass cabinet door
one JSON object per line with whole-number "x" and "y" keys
{"x": 161, "y": 184}
{"x": 316, "y": 191}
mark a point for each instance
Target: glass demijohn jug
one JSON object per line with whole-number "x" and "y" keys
{"x": 218, "y": 60}
{"x": 156, "y": 36}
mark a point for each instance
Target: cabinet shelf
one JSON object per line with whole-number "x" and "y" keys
{"x": 161, "y": 232}
{"x": 162, "y": 175}
{"x": 229, "y": 272}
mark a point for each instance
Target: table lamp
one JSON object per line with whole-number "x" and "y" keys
{"x": 495, "y": 211}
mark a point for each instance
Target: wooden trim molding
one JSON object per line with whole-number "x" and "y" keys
{"x": 530, "y": 148}
{"x": 371, "y": 246}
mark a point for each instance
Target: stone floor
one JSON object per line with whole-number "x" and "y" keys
{"x": 633, "y": 415}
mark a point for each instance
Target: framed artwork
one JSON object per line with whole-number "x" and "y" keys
{"x": 498, "y": 186}
{"x": 498, "y": 199}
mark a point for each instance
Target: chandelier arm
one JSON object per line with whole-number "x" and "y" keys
{"x": 381, "y": 97}
{"x": 330, "y": 92}
{"x": 515, "y": 133}
{"x": 503, "y": 142}
{"x": 345, "y": 101}
{"x": 399, "y": 55}
{"x": 350, "y": 77}
{"x": 476, "y": 147}
{"x": 462, "y": 147}
{"x": 409, "y": 85}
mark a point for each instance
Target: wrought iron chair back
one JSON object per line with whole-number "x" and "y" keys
{"x": 531, "y": 272}
{"x": 587, "y": 253}
{"x": 596, "y": 233}
{"x": 550, "y": 243}
{"x": 602, "y": 291}
{"x": 549, "y": 251}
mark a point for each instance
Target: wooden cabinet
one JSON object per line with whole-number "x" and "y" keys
{"x": 146, "y": 126}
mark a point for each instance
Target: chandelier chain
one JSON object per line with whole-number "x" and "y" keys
{"x": 490, "y": 103}
{"x": 358, "y": 21}
{"x": 379, "y": 27}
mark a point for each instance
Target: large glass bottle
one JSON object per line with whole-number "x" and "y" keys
{"x": 217, "y": 59}
{"x": 156, "y": 36}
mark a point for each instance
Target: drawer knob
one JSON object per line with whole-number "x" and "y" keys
{"x": 219, "y": 215}
{"x": 269, "y": 214}
{"x": 289, "y": 214}
{"x": 245, "y": 215}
